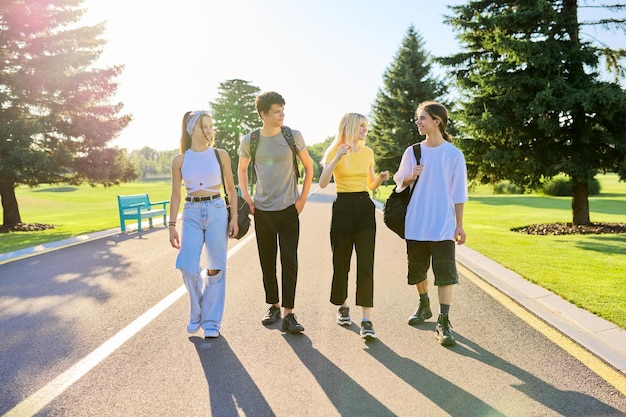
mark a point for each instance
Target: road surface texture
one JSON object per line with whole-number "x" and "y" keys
{"x": 98, "y": 329}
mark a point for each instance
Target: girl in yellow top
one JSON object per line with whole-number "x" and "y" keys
{"x": 353, "y": 221}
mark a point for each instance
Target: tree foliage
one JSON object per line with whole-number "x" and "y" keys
{"x": 534, "y": 105}
{"x": 316, "y": 152}
{"x": 407, "y": 82}
{"x": 234, "y": 115}
{"x": 55, "y": 115}
{"x": 153, "y": 164}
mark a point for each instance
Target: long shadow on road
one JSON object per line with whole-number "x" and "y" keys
{"x": 448, "y": 396}
{"x": 567, "y": 403}
{"x": 230, "y": 386}
{"x": 38, "y": 298}
{"x": 348, "y": 397}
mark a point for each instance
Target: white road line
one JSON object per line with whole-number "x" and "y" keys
{"x": 32, "y": 404}
{"x": 35, "y": 402}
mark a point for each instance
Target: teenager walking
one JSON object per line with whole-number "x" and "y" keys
{"x": 204, "y": 221}
{"x": 434, "y": 219}
{"x": 353, "y": 223}
{"x": 277, "y": 203}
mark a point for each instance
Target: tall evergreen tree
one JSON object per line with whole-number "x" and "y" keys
{"x": 55, "y": 117}
{"x": 535, "y": 105}
{"x": 234, "y": 115}
{"x": 406, "y": 82}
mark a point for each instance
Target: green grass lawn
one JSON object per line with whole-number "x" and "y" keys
{"x": 74, "y": 210}
{"x": 587, "y": 270}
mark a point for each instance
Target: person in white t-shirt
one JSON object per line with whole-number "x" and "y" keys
{"x": 434, "y": 219}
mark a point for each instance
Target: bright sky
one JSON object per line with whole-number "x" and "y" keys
{"x": 326, "y": 57}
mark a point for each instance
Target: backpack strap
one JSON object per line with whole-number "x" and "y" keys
{"x": 219, "y": 161}
{"x": 288, "y": 134}
{"x": 254, "y": 143}
{"x": 417, "y": 151}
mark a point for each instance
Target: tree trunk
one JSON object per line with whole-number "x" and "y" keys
{"x": 580, "y": 202}
{"x": 10, "y": 210}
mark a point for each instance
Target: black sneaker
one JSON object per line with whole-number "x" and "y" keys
{"x": 291, "y": 325}
{"x": 343, "y": 316}
{"x": 271, "y": 316}
{"x": 367, "y": 330}
{"x": 421, "y": 314}
{"x": 443, "y": 333}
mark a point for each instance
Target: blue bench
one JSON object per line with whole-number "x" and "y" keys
{"x": 138, "y": 207}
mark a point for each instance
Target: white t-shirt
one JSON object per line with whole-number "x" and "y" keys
{"x": 442, "y": 184}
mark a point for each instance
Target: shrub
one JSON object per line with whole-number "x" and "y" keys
{"x": 506, "y": 187}
{"x": 561, "y": 186}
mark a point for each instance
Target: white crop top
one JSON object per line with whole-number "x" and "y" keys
{"x": 201, "y": 171}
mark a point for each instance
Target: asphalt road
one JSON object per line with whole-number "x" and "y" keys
{"x": 98, "y": 329}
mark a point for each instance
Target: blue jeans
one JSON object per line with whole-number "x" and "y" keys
{"x": 205, "y": 225}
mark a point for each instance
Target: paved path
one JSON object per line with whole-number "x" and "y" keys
{"x": 95, "y": 329}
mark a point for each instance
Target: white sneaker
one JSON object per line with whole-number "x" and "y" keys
{"x": 193, "y": 326}
{"x": 211, "y": 333}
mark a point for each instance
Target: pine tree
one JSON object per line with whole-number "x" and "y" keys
{"x": 535, "y": 105}
{"x": 55, "y": 118}
{"x": 234, "y": 115}
{"x": 406, "y": 83}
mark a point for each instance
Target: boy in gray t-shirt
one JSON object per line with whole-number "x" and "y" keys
{"x": 276, "y": 205}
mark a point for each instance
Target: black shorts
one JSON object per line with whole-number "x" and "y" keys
{"x": 419, "y": 255}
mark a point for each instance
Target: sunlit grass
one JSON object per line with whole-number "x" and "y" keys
{"x": 73, "y": 211}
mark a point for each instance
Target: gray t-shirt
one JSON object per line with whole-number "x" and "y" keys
{"x": 276, "y": 187}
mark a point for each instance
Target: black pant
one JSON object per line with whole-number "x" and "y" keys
{"x": 282, "y": 226}
{"x": 353, "y": 225}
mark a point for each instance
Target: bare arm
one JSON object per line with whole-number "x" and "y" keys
{"x": 373, "y": 181}
{"x": 177, "y": 180}
{"x": 459, "y": 233}
{"x": 307, "y": 163}
{"x": 329, "y": 168}
{"x": 242, "y": 174}
{"x": 416, "y": 172}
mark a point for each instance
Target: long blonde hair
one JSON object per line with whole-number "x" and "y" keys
{"x": 347, "y": 133}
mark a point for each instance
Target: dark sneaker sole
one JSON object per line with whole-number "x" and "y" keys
{"x": 344, "y": 323}
{"x": 293, "y": 331}
{"x": 445, "y": 341}
{"x": 369, "y": 336}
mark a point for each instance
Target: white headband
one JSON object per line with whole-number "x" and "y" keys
{"x": 193, "y": 119}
